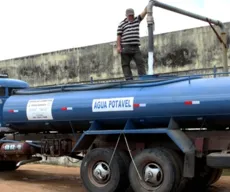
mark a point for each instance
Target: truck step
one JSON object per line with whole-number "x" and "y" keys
{"x": 218, "y": 160}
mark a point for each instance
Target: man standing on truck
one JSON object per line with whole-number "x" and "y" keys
{"x": 128, "y": 42}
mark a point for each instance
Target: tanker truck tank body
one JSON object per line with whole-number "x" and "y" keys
{"x": 189, "y": 100}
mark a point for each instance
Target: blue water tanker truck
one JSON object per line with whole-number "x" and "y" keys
{"x": 160, "y": 133}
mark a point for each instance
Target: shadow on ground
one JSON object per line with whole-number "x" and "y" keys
{"x": 55, "y": 178}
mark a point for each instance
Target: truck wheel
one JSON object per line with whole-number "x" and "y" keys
{"x": 98, "y": 176}
{"x": 126, "y": 158}
{"x": 156, "y": 170}
{"x": 204, "y": 176}
{"x": 217, "y": 175}
{"x": 181, "y": 181}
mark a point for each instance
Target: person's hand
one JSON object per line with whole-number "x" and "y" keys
{"x": 119, "y": 49}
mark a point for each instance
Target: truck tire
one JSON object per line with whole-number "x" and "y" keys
{"x": 218, "y": 173}
{"x": 181, "y": 181}
{"x": 151, "y": 162}
{"x": 204, "y": 176}
{"x": 126, "y": 158}
{"x": 96, "y": 174}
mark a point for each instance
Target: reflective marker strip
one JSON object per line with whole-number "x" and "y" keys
{"x": 13, "y": 111}
{"x": 192, "y": 102}
{"x": 136, "y": 105}
{"x": 66, "y": 108}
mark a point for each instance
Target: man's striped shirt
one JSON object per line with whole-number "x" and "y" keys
{"x": 129, "y": 31}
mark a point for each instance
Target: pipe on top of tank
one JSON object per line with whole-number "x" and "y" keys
{"x": 150, "y": 22}
{"x": 187, "y": 13}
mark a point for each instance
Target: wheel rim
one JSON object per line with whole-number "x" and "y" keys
{"x": 100, "y": 174}
{"x": 153, "y": 175}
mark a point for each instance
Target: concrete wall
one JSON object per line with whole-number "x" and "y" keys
{"x": 193, "y": 49}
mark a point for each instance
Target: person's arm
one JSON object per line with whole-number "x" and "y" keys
{"x": 143, "y": 14}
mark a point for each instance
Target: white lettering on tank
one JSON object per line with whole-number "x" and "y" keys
{"x": 113, "y": 104}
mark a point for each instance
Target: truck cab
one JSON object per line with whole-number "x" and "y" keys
{"x": 7, "y": 85}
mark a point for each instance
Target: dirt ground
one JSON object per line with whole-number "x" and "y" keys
{"x": 47, "y": 178}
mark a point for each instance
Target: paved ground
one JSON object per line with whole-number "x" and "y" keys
{"x": 48, "y": 178}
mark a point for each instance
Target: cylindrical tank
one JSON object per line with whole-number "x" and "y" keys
{"x": 193, "y": 103}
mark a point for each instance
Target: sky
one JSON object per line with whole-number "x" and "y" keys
{"x": 31, "y": 27}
